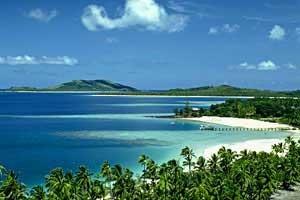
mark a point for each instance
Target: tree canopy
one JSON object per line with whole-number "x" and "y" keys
{"x": 282, "y": 110}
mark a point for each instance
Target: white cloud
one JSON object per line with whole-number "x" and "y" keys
{"x": 142, "y": 13}
{"x": 267, "y": 65}
{"x": 247, "y": 66}
{"x": 277, "y": 33}
{"x": 291, "y": 66}
{"x": 262, "y": 66}
{"x": 230, "y": 28}
{"x": 42, "y": 15}
{"x": 31, "y": 60}
{"x": 213, "y": 31}
{"x": 225, "y": 28}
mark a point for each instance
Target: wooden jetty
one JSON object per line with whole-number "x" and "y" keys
{"x": 231, "y": 129}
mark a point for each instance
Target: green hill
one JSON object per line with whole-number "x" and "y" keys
{"x": 226, "y": 90}
{"x": 81, "y": 85}
{"x": 91, "y": 85}
{"x": 222, "y": 90}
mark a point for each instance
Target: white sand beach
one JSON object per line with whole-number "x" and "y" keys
{"x": 252, "y": 145}
{"x": 238, "y": 122}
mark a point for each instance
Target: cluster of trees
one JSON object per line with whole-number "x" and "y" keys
{"x": 283, "y": 110}
{"x": 188, "y": 111}
{"x": 226, "y": 175}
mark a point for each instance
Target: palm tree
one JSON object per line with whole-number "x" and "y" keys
{"x": 278, "y": 148}
{"x": 143, "y": 159}
{"x": 164, "y": 183}
{"x": 2, "y": 169}
{"x": 83, "y": 180}
{"x": 187, "y": 109}
{"x": 98, "y": 190}
{"x": 265, "y": 175}
{"x": 288, "y": 140}
{"x": 200, "y": 164}
{"x": 213, "y": 163}
{"x": 75, "y": 191}
{"x": 11, "y": 188}
{"x": 124, "y": 185}
{"x": 118, "y": 178}
{"x": 226, "y": 157}
{"x": 59, "y": 186}
{"x": 106, "y": 172}
{"x": 188, "y": 155}
{"x": 241, "y": 175}
{"x": 151, "y": 172}
{"x": 176, "y": 179}
{"x": 244, "y": 153}
{"x": 200, "y": 171}
{"x": 38, "y": 193}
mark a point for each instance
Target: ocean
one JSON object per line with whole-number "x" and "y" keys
{"x": 42, "y": 131}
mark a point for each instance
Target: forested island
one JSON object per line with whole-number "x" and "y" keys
{"x": 80, "y": 85}
{"x": 280, "y": 110}
{"x": 107, "y": 87}
{"x": 226, "y": 175}
{"x": 222, "y": 90}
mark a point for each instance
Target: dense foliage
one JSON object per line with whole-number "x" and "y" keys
{"x": 283, "y": 110}
{"x": 226, "y": 175}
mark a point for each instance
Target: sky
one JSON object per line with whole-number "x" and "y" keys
{"x": 151, "y": 44}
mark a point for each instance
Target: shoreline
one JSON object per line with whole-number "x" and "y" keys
{"x": 114, "y": 94}
{"x": 252, "y": 145}
{"x": 171, "y": 96}
{"x": 45, "y": 91}
{"x": 239, "y": 122}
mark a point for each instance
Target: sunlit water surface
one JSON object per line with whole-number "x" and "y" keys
{"x": 39, "y": 132}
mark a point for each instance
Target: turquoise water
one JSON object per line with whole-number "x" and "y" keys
{"x": 42, "y": 131}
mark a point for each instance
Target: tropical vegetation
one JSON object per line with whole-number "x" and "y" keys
{"x": 225, "y": 175}
{"x": 282, "y": 110}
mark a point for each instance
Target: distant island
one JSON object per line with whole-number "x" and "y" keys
{"x": 81, "y": 85}
{"x": 103, "y": 87}
{"x": 222, "y": 90}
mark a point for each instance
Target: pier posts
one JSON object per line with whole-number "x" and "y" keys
{"x": 227, "y": 129}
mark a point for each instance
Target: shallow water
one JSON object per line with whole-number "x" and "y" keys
{"x": 42, "y": 131}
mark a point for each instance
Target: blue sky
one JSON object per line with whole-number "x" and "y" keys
{"x": 151, "y": 44}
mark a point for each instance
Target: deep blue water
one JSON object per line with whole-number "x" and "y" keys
{"x": 41, "y": 131}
